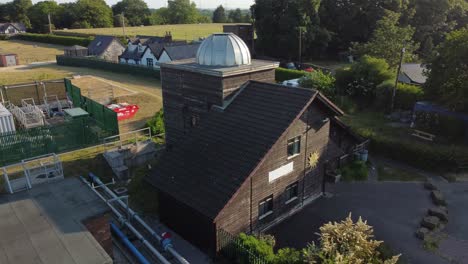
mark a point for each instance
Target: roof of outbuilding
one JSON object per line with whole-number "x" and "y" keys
{"x": 18, "y": 26}
{"x": 415, "y": 72}
{"x": 207, "y": 167}
{"x": 76, "y": 47}
{"x": 100, "y": 44}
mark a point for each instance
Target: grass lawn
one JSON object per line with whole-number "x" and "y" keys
{"x": 387, "y": 173}
{"x": 181, "y": 32}
{"x": 29, "y": 52}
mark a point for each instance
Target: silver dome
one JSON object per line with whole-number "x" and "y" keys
{"x": 225, "y": 49}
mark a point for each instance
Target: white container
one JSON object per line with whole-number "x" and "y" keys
{"x": 7, "y": 124}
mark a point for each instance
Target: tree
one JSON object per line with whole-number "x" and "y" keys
{"x": 156, "y": 123}
{"x": 278, "y": 25}
{"x": 347, "y": 242}
{"x": 38, "y": 15}
{"x": 387, "y": 41}
{"x": 447, "y": 81}
{"x": 219, "y": 15}
{"x": 19, "y": 10}
{"x": 323, "y": 82}
{"x": 95, "y": 13}
{"x": 136, "y": 11}
{"x": 235, "y": 16}
{"x": 159, "y": 16}
{"x": 354, "y": 20}
{"x": 182, "y": 12}
{"x": 360, "y": 81}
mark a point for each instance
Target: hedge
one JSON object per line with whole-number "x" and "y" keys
{"x": 91, "y": 62}
{"x": 53, "y": 39}
{"x": 283, "y": 74}
{"x": 4, "y": 37}
{"x": 405, "y": 98}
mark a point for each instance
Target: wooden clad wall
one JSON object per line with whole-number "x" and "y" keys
{"x": 243, "y": 208}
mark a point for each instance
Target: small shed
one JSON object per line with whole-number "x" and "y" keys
{"x": 7, "y": 60}
{"x": 7, "y": 123}
{"x": 75, "y": 113}
{"x": 76, "y": 51}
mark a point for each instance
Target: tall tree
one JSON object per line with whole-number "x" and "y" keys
{"x": 388, "y": 39}
{"x": 93, "y": 13}
{"x": 136, "y": 11}
{"x": 447, "y": 81}
{"x": 182, "y": 12}
{"x": 159, "y": 16}
{"x": 219, "y": 15}
{"x": 38, "y": 15}
{"x": 280, "y": 23}
{"x": 19, "y": 12}
{"x": 235, "y": 16}
{"x": 354, "y": 20}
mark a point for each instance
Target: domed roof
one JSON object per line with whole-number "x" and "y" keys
{"x": 223, "y": 49}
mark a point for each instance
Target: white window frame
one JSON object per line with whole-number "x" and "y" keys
{"x": 293, "y": 141}
{"x": 264, "y": 201}
{"x": 288, "y": 189}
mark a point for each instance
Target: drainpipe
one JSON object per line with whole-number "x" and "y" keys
{"x": 133, "y": 215}
{"x": 128, "y": 244}
{"x": 305, "y": 157}
{"x": 129, "y": 226}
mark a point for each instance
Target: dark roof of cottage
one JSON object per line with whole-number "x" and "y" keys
{"x": 182, "y": 52}
{"x": 204, "y": 170}
{"x": 157, "y": 48}
{"x": 18, "y": 26}
{"x": 100, "y": 44}
{"x": 136, "y": 54}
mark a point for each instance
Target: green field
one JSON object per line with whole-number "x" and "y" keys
{"x": 29, "y": 52}
{"x": 181, "y": 32}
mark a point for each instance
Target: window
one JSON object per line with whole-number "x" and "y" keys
{"x": 265, "y": 207}
{"x": 292, "y": 192}
{"x": 194, "y": 120}
{"x": 149, "y": 62}
{"x": 294, "y": 146}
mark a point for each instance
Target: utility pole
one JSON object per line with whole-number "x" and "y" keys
{"x": 50, "y": 24}
{"x": 392, "y": 105}
{"x": 300, "y": 44}
{"x": 123, "y": 24}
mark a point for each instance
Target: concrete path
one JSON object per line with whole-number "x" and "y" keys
{"x": 393, "y": 209}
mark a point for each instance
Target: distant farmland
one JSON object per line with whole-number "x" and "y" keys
{"x": 181, "y": 32}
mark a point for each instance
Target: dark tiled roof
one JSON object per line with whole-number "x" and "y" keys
{"x": 100, "y": 44}
{"x": 157, "y": 48}
{"x": 18, "y": 26}
{"x": 182, "y": 52}
{"x": 132, "y": 55}
{"x": 76, "y": 47}
{"x": 207, "y": 167}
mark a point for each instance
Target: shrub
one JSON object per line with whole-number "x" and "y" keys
{"x": 449, "y": 127}
{"x": 288, "y": 256}
{"x": 4, "y": 37}
{"x": 356, "y": 171}
{"x": 360, "y": 81}
{"x": 53, "y": 39}
{"x": 156, "y": 123}
{"x": 323, "y": 82}
{"x": 282, "y": 74}
{"x": 262, "y": 247}
{"x": 405, "y": 98}
{"x": 347, "y": 242}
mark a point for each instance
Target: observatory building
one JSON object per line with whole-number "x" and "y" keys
{"x": 242, "y": 152}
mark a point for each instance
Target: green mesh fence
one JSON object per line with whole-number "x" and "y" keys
{"x": 71, "y": 135}
{"x": 97, "y": 111}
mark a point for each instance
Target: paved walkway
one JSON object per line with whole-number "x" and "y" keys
{"x": 393, "y": 209}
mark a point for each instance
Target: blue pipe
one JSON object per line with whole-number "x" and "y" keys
{"x": 128, "y": 244}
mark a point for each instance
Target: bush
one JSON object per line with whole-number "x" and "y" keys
{"x": 4, "y": 37}
{"x": 356, "y": 171}
{"x": 288, "y": 256}
{"x": 53, "y": 39}
{"x": 261, "y": 247}
{"x": 156, "y": 123}
{"x": 323, "y": 82}
{"x": 405, "y": 98}
{"x": 361, "y": 80}
{"x": 282, "y": 74}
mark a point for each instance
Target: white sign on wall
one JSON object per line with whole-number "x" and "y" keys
{"x": 281, "y": 171}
